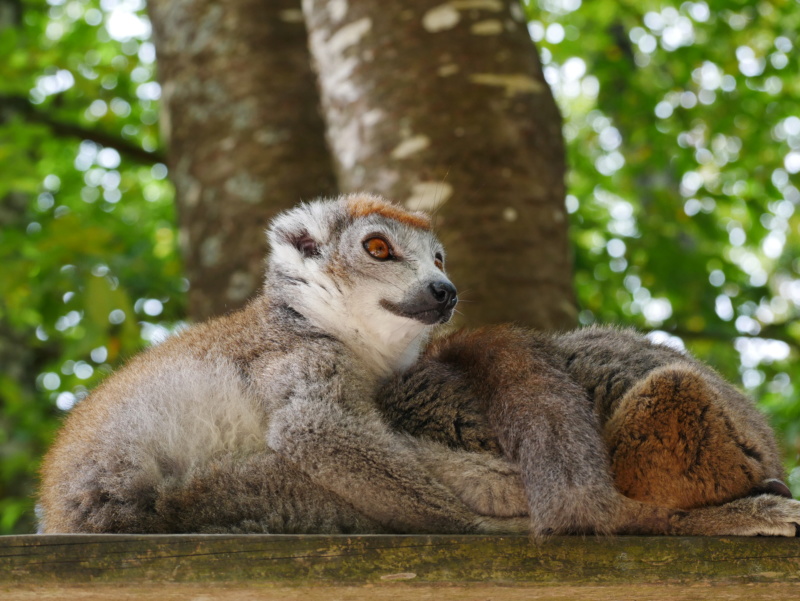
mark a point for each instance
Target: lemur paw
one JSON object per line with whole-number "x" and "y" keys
{"x": 779, "y": 517}
{"x": 500, "y": 496}
{"x": 765, "y": 515}
{"x": 487, "y": 485}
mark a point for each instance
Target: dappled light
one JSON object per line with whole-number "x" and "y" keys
{"x": 682, "y": 121}
{"x": 90, "y": 248}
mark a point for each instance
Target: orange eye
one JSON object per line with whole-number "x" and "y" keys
{"x": 438, "y": 262}
{"x": 378, "y": 248}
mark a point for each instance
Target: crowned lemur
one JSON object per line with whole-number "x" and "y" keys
{"x": 265, "y": 420}
{"x": 308, "y": 411}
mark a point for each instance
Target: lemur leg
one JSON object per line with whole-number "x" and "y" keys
{"x": 762, "y": 515}
{"x": 331, "y": 431}
{"x": 674, "y": 442}
{"x": 262, "y": 493}
{"x": 231, "y": 493}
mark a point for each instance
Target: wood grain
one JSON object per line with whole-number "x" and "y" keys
{"x": 85, "y": 566}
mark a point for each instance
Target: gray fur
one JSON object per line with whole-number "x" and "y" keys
{"x": 610, "y": 432}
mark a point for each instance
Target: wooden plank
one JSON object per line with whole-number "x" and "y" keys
{"x": 291, "y": 561}
{"x": 395, "y": 592}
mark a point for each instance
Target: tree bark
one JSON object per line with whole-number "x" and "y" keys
{"x": 443, "y": 106}
{"x": 244, "y": 134}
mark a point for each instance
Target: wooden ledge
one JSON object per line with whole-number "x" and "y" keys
{"x": 83, "y": 566}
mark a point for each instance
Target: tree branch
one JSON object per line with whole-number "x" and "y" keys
{"x": 20, "y": 105}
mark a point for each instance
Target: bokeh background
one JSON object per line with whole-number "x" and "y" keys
{"x": 682, "y": 125}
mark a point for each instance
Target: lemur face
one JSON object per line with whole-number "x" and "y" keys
{"x": 366, "y": 260}
{"x": 399, "y": 268}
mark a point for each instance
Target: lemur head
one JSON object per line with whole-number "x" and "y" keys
{"x": 364, "y": 269}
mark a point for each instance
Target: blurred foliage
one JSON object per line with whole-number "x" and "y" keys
{"x": 90, "y": 270}
{"x": 683, "y": 128}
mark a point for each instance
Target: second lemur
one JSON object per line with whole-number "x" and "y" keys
{"x": 611, "y": 433}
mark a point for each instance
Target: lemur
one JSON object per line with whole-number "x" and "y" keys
{"x": 264, "y": 420}
{"x": 267, "y": 420}
{"x": 611, "y": 433}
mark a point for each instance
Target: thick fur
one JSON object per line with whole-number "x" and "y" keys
{"x": 610, "y": 432}
{"x": 264, "y": 420}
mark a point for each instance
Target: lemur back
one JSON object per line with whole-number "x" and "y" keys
{"x": 264, "y": 420}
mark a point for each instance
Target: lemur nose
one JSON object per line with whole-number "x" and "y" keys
{"x": 444, "y": 293}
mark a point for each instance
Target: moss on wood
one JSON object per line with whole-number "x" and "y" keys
{"x": 408, "y": 560}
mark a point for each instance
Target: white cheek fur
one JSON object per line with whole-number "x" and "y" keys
{"x": 386, "y": 342}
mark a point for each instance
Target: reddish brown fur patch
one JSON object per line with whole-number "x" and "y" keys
{"x": 672, "y": 444}
{"x": 363, "y": 206}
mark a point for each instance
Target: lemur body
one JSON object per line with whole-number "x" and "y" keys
{"x": 264, "y": 420}
{"x": 612, "y": 433}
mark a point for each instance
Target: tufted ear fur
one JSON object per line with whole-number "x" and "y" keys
{"x": 305, "y": 244}
{"x": 298, "y": 237}
{"x": 306, "y": 228}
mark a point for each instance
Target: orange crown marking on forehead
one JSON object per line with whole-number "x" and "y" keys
{"x": 363, "y": 206}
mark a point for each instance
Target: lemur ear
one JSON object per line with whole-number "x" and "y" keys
{"x": 285, "y": 231}
{"x": 305, "y": 244}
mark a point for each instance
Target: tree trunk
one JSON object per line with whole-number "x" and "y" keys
{"x": 443, "y": 106}
{"x": 244, "y": 134}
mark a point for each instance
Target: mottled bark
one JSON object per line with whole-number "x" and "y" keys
{"x": 443, "y": 106}
{"x": 244, "y": 134}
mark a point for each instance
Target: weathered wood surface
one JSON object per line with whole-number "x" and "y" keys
{"x": 395, "y": 592}
{"x": 377, "y": 567}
